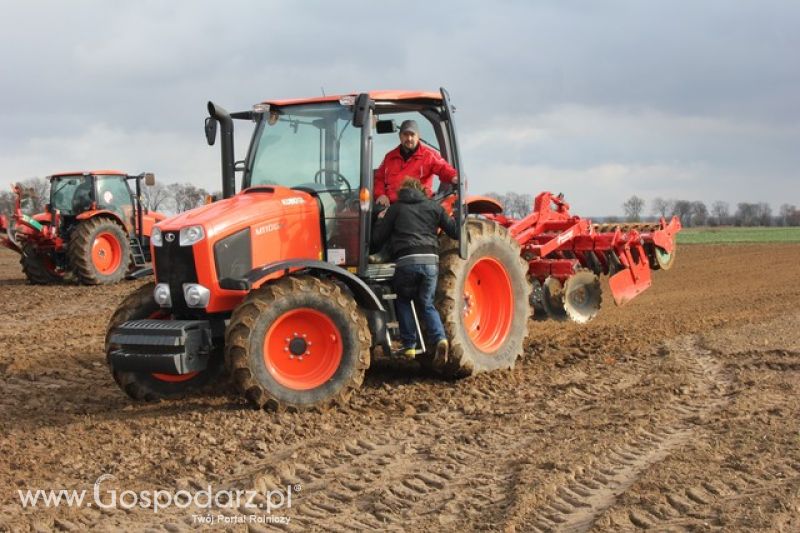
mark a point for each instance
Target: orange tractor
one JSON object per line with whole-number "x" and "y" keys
{"x": 94, "y": 228}
{"x": 274, "y": 283}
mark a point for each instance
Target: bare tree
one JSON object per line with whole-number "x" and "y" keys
{"x": 789, "y": 215}
{"x": 514, "y": 204}
{"x": 7, "y": 202}
{"x": 720, "y": 212}
{"x": 36, "y": 193}
{"x": 519, "y": 205}
{"x": 699, "y": 213}
{"x": 763, "y": 214}
{"x": 186, "y": 196}
{"x": 745, "y": 214}
{"x": 683, "y": 210}
{"x": 662, "y": 207}
{"x": 633, "y": 207}
{"x": 158, "y": 197}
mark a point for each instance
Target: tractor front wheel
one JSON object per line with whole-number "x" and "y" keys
{"x": 99, "y": 251}
{"x": 153, "y": 386}
{"x": 484, "y": 301}
{"x": 297, "y": 343}
{"x": 38, "y": 267}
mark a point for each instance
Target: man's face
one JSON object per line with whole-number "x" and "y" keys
{"x": 409, "y": 140}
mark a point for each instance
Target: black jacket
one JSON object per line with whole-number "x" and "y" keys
{"x": 411, "y": 224}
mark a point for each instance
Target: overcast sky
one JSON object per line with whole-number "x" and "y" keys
{"x": 599, "y": 100}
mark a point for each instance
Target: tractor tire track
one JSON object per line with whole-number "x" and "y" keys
{"x": 431, "y": 469}
{"x": 577, "y": 503}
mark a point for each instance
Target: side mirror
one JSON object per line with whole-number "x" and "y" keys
{"x": 211, "y": 130}
{"x": 149, "y": 179}
{"x": 386, "y": 126}
{"x": 361, "y": 110}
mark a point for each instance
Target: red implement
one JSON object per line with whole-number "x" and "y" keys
{"x": 558, "y": 245}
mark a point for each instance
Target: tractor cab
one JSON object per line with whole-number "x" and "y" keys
{"x": 72, "y": 195}
{"x": 329, "y": 148}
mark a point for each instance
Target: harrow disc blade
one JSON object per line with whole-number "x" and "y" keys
{"x": 663, "y": 258}
{"x": 582, "y": 296}
{"x": 536, "y": 300}
{"x": 553, "y": 299}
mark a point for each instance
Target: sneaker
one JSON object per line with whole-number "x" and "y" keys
{"x": 410, "y": 351}
{"x": 440, "y": 355}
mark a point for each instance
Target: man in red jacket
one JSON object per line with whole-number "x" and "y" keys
{"x": 411, "y": 159}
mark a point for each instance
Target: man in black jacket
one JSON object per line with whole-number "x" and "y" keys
{"x": 411, "y": 226}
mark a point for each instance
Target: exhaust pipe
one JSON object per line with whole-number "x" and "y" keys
{"x": 226, "y": 146}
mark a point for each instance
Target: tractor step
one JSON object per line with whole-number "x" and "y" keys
{"x": 137, "y": 253}
{"x": 167, "y": 346}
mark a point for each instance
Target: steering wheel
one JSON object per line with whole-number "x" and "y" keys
{"x": 338, "y": 175}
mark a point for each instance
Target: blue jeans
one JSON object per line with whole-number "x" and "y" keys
{"x": 417, "y": 283}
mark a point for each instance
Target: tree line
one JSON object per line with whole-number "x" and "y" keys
{"x": 691, "y": 212}
{"x": 169, "y": 198}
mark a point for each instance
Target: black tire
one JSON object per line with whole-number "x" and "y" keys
{"x": 142, "y": 385}
{"x": 35, "y": 269}
{"x": 487, "y": 240}
{"x": 262, "y": 308}
{"x": 79, "y": 251}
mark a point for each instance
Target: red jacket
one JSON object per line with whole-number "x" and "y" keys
{"x": 422, "y": 165}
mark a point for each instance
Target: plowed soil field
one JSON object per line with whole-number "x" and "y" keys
{"x": 679, "y": 411}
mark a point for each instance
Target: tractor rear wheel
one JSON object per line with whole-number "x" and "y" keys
{"x": 99, "y": 251}
{"x": 298, "y": 343}
{"x": 484, "y": 300}
{"x": 39, "y": 268}
{"x": 152, "y": 386}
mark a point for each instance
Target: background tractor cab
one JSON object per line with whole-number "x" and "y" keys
{"x": 94, "y": 226}
{"x": 80, "y": 196}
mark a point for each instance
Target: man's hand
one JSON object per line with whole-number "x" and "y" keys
{"x": 383, "y": 200}
{"x": 454, "y": 181}
{"x": 382, "y": 213}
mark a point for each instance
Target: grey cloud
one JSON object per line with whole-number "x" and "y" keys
{"x": 147, "y": 68}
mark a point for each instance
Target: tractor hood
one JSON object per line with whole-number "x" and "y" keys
{"x": 246, "y": 209}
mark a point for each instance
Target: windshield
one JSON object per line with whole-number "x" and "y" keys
{"x": 314, "y": 146}
{"x": 71, "y": 194}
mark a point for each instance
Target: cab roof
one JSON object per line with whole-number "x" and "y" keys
{"x": 91, "y": 172}
{"x": 391, "y": 96}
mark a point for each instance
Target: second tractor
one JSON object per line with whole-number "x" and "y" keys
{"x": 94, "y": 228}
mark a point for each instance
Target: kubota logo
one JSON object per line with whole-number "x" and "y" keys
{"x": 169, "y": 237}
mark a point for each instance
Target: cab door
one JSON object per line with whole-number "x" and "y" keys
{"x": 113, "y": 194}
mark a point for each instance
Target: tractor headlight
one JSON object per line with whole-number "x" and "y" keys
{"x": 162, "y": 295}
{"x": 191, "y": 234}
{"x": 156, "y": 238}
{"x": 195, "y": 295}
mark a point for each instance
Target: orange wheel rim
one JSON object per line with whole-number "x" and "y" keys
{"x": 170, "y": 378}
{"x": 303, "y": 349}
{"x": 106, "y": 253}
{"x": 174, "y": 378}
{"x": 488, "y": 304}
